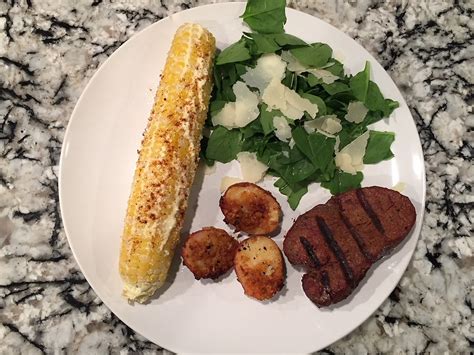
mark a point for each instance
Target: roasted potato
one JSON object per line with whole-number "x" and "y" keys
{"x": 250, "y": 209}
{"x": 209, "y": 253}
{"x": 260, "y": 267}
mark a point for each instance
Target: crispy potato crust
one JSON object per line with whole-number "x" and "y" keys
{"x": 260, "y": 267}
{"x": 250, "y": 209}
{"x": 209, "y": 253}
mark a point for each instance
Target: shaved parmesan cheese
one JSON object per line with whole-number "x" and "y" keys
{"x": 282, "y": 128}
{"x": 350, "y": 158}
{"x": 269, "y": 67}
{"x": 241, "y": 112}
{"x": 295, "y": 66}
{"x": 326, "y": 76}
{"x": 338, "y": 143}
{"x": 328, "y": 124}
{"x": 228, "y": 181}
{"x": 293, "y": 63}
{"x": 356, "y": 112}
{"x": 399, "y": 186}
{"x": 292, "y": 143}
{"x": 278, "y": 97}
{"x": 251, "y": 168}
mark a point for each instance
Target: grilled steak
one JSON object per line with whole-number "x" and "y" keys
{"x": 337, "y": 242}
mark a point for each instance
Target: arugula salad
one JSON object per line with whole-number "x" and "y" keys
{"x": 290, "y": 107}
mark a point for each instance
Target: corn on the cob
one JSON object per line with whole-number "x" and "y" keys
{"x": 167, "y": 163}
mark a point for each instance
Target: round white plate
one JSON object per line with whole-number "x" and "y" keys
{"x": 96, "y": 169}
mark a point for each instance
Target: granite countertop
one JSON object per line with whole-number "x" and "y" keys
{"x": 48, "y": 52}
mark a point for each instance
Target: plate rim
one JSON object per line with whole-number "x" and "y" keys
{"x": 414, "y": 234}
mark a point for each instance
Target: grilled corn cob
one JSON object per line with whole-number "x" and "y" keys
{"x": 167, "y": 163}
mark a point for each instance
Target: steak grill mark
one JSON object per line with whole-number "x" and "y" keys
{"x": 341, "y": 258}
{"x": 310, "y": 251}
{"x": 355, "y": 234}
{"x": 370, "y": 212}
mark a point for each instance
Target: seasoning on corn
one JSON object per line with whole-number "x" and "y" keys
{"x": 167, "y": 163}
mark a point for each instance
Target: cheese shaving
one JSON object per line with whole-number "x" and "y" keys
{"x": 251, "y": 168}
{"x": 328, "y": 124}
{"x": 279, "y": 97}
{"x": 356, "y": 112}
{"x": 241, "y": 112}
{"x": 269, "y": 67}
{"x": 282, "y": 128}
{"x": 296, "y": 66}
{"x": 350, "y": 158}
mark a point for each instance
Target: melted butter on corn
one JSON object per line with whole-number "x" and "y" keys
{"x": 167, "y": 163}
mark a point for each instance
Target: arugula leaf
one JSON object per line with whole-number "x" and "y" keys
{"x": 224, "y": 144}
{"x": 359, "y": 83}
{"x": 265, "y": 16}
{"x": 266, "y": 118}
{"x": 336, "y": 69}
{"x": 264, "y": 43}
{"x": 289, "y": 80}
{"x": 316, "y": 55}
{"x": 202, "y": 155}
{"x": 294, "y": 193}
{"x": 298, "y": 171}
{"x": 313, "y": 80}
{"x": 350, "y": 132}
{"x": 216, "y": 106}
{"x": 335, "y": 88}
{"x": 318, "y": 101}
{"x": 316, "y": 146}
{"x": 343, "y": 182}
{"x": 376, "y": 102}
{"x": 236, "y": 52}
{"x": 378, "y": 147}
{"x": 369, "y": 93}
{"x": 251, "y": 129}
{"x": 287, "y": 40}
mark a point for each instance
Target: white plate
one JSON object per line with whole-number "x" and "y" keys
{"x": 96, "y": 169}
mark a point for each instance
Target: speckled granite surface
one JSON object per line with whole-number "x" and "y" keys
{"x": 50, "y": 49}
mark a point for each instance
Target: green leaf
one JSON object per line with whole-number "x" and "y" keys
{"x": 335, "y": 88}
{"x": 287, "y": 40}
{"x": 236, "y": 52}
{"x": 264, "y": 43}
{"x": 350, "y": 132}
{"x": 298, "y": 171}
{"x": 376, "y": 102}
{"x": 318, "y": 101}
{"x": 216, "y": 106}
{"x": 359, "y": 83}
{"x": 224, "y": 144}
{"x": 317, "y": 147}
{"x": 266, "y": 118}
{"x": 378, "y": 147}
{"x": 265, "y": 16}
{"x": 343, "y": 182}
{"x": 336, "y": 69}
{"x": 251, "y": 129}
{"x": 313, "y": 80}
{"x": 202, "y": 154}
{"x": 294, "y": 193}
{"x": 315, "y": 55}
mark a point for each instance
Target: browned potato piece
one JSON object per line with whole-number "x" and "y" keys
{"x": 260, "y": 267}
{"x": 209, "y": 253}
{"x": 250, "y": 209}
